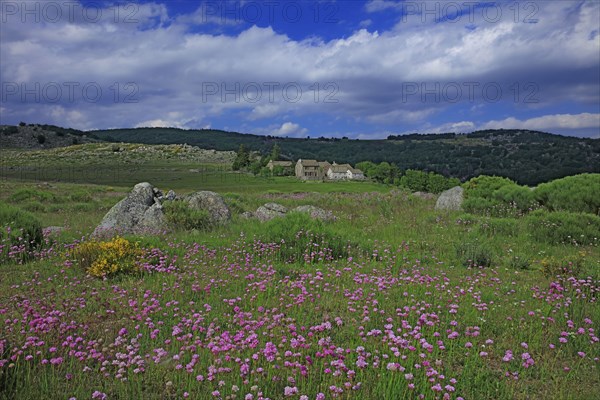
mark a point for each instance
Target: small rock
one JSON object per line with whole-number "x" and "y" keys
{"x": 269, "y": 211}
{"x": 247, "y": 215}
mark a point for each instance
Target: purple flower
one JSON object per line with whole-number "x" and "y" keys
{"x": 99, "y": 395}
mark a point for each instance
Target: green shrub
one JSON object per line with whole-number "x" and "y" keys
{"x": 499, "y": 227}
{"x": 81, "y": 196}
{"x": 234, "y": 202}
{"x": 420, "y": 181}
{"x": 33, "y": 206}
{"x": 22, "y": 195}
{"x": 181, "y": 217}
{"x": 553, "y": 266}
{"x": 473, "y": 254}
{"x": 467, "y": 219}
{"x": 519, "y": 197}
{"x": 41, "y": 139}
{"x": 18, "y": 228}
{"x": 519, "y": 262}
{"x": 84, "y": 207}
{"x": 10, "y": 130}
{"x": 303, "y": 238}
{"x": 564, "y": 227}
{"x": 579, "y": 193}
{"x": 484, "y": 186}
{"x": 498, "y": 197}
{"x": 482, "y": 206}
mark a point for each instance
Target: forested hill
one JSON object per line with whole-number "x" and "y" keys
{"x": 529, "y": 157}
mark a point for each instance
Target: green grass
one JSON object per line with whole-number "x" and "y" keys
{"x": 404, "y": 260}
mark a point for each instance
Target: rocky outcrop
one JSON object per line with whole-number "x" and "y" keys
{"x": 139, "y": 212}
{"x": 451, "y": 199}
{"x": 269, "y": 211}
{"x": 213, "y": 203}
{"x": 316, "y": 212}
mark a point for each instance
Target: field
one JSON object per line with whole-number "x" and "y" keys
{"x": 392, "y": 300}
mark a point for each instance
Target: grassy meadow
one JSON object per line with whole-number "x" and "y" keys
{"x": 392, "y": 300}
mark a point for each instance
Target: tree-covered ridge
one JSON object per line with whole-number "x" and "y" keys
{"x": 527, "y": 157}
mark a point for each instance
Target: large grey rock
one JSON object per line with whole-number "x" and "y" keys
{"x": 139, "y": 212}
{"x": 316, "y": 212}
{"x": 450, "y": 199}
{"x": 153, "y": 219}
{"x": 269, "y": 211}
{"x": 211, "y": 202}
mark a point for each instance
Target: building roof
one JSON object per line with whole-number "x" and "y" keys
{"x": 308, "y": 163}
{"x": 324, "y": 164}
{"x": 339, "y": 169}
{"x": 356, "y": 171}
{"x": 280, "y": 163}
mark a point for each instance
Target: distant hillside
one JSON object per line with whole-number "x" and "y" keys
{"x": 37, "y": 137}
{"x": 528, "y": 157}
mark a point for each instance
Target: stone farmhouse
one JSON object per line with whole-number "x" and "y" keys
{"x": 312, "y": 170}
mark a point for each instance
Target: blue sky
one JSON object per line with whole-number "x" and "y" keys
{"x": 362, "y": 69}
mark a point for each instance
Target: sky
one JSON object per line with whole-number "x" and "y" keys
{"x": 359, "y": 69}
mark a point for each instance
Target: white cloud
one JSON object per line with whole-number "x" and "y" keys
{"x": 549, "y": 122}
{"x": 553, "y": 123}
{"x": 290, "y": 129}
{"x": 171, "y": 65}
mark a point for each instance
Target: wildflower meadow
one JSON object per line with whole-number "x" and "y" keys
{"x": 385, "y": 302}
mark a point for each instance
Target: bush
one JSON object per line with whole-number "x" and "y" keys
{"x": 497, "y": 196}
{"x": 519, "y": 197}
{"x": 474, "y": 255}
{"x": 577, "y": 193}
{"x": 22, "y": 195}
{"x": 109, "y": 258}
{"x": 10, "y": 130}
{"x": 552, "y": 266}
{"x": 519, "y": 262}
{"x": 563, "y": 227}
{"x": 21, "y": 233}
{"x": 234, "y": 202}
{"x": 304, "y": 239}
{"x": 81, "y": 196}
{"x": 41, "y": 139}
{"x": 181, "y": 217}
{"x": 33, "y": 206}
{"x": 499, "y": 227}
{"x": 484, "y": 186}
